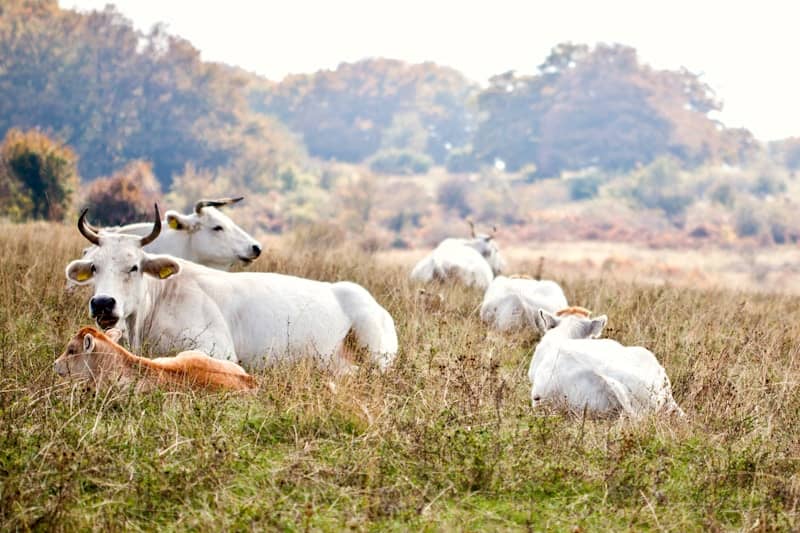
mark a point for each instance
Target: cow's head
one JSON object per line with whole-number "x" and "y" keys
{"x": 571, "y": 323}
{"x": 117, "y": 268}
{"x": 215, "y": 240}
{"x": 485, "y": 245}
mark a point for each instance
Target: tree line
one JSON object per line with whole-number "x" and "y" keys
{"x": 116, "y": 96}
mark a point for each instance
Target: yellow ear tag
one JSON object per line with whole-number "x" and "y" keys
{"x": 82, "y": 276}
{"x": 165, "y": 272}
{"x": 173, "y": 223}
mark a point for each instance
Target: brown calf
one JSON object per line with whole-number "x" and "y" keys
{"x": 94, "y": 355}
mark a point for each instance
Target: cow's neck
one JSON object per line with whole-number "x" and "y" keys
{"x": 140, "y": 321}
{"x": 546, "y": 345}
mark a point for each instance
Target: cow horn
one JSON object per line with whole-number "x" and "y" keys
{"x": 471, "y": 227}
{"x": 156, "y": 230}
{"x": 215, "y": 203}
{"x": 86, "y": 230}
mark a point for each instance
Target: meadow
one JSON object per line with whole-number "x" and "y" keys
{"x": 446, "y": 440}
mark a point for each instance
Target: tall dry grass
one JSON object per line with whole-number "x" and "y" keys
{"x": 445, "y": 440}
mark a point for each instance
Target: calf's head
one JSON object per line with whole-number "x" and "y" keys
{"x": 215, "y": 239}
{"x": 84, "y": 355}
{"x": 117, "y": 268}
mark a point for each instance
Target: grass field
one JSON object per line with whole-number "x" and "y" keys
{"x": 445, "y": 441}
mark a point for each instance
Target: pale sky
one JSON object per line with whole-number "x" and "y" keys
{"x": 747, "y": 51}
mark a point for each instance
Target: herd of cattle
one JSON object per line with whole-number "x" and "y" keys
{"x": 166, "y": 286}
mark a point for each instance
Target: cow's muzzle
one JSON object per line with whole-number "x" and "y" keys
{"x": 60, "y": 366}
{"x": 255, "y": 251}
{"x": 102, "y": 308}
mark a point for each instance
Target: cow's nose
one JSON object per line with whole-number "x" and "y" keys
{"x": 102, "y": 305}
{"x": 256, "y": 250}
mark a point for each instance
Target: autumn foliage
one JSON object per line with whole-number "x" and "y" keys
{"x": 38, "y": 176}
{"x": 126, "y": 197}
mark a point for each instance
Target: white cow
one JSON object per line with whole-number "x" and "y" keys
{"x": 511, "y": 303}
{"x": 253, "y": 318}
{"x": 573, "y": 369}
{"x": 473, "y": 262}
{"x": 206, "y": 236}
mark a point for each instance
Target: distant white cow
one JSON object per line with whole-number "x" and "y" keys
{"x": 511, "y": 303}
{"x": 473, "y": 262}
{"x": 253, "y": 318}
{"x": 573, "y": 369}
{"x": 207, "y": 236}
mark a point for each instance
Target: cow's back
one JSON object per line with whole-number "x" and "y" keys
{"x": 198, "y": 369}
{"x": 273, "y": 316}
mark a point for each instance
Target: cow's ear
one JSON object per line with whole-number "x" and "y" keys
{"x": 178, "y": 222}
{"x": 114, "y": 334}
{"x": 160, "y": 266}
{"x": 597, "y": 326}
{"x": 80, "y": 272}
{"x": 545, "y": 321}
{"x": 88, "y": 343}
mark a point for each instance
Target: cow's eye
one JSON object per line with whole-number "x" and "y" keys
{"x": 94, "y": 269}
{"x": 218, "y": 228}
{"x": 133, "y": 269}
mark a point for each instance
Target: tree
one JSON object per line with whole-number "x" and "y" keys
{"x": 597, "y": 107}
{"x": 349, "y": 113}
{"x": 117, "y": 95}
{"x": 38, "y": 176}
{"x": 124, "y": 198}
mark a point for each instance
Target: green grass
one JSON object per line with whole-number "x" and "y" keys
{"x": 446, "y": 440}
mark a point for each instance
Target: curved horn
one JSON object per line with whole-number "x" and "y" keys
{"x": 91, "y": 227}
{"x": 215, "y": 203}
{"x": 87, "y": 231}
{"x": 156, "y": 230}
{"x": 471, "y": 227}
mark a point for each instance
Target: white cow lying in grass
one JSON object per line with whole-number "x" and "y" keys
{"x": 473, "y": 262}
{"x": 574, "y": 370}
{"x": 253, "y": 318}
{"x": 511, "y": 303}
{"x": 206, "y": 236}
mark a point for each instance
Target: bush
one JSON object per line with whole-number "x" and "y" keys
{"x": 658, "y": 186}
{"x": 723, "y": 194}
{"x": 403, "y": 162}
{"x": 461, "y": 160}
{"x": 126, "y": 197}
{"x": 38, "y": 176}
{"x": 584, "y": 187}
{"x": 768, "y": 184}
{"x": 747, "y": 221}
{"x": 453, "y": 195}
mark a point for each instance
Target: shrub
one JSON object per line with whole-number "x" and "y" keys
{"x": 584, "y": 187}
{"x": 453, "y": 195}
{"x": 768, "y": 183}
{"x": 461, "y": 160}
{"x": 747, "y": 222}
{"x": 38, "y": 176}
{"x": 658, "y": 186}
{"x": 127, "y": 196}
{"x": 403, "y": 162}
{"x": 723, "y": 194}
